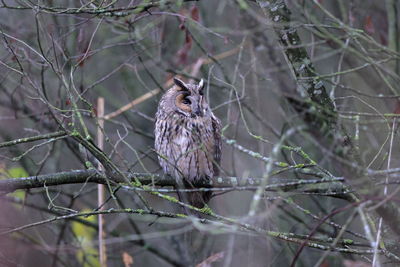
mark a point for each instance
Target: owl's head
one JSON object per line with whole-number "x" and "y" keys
{"x": 189, "y": 99}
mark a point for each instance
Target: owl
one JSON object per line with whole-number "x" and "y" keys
{"x": 188, "y": 139}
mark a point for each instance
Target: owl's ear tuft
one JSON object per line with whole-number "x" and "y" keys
{"x": 201, "y": 87}
{"x": 201, "y": 84}
{"x": 180, "y": 84}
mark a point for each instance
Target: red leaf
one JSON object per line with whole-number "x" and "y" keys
{"x": 397, "y": 108}
{"x": 182, "y": 24}
{"x": 188, "y": 38}
{"x": 94, "y": 112}
{"x": 194, "y": 12}
{"x": 383, "y": 39}
{"x": 369, "y": 26}
{"x": 183, "y": 53}
{"x": 182, "y": 20}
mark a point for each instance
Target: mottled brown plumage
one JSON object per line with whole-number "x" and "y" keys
{"x": 187, "y": 139}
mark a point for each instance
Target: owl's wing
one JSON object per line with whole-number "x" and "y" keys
{"x": 216, "y": 126}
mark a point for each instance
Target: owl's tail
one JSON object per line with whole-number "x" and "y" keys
{"x": 197, "y": 199}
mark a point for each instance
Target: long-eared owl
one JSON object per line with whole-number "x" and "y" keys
{"x": 187, "y": 139}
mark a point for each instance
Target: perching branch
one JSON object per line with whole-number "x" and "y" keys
{"x": 328, "y": 186}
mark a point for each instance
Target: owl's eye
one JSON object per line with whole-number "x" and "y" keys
{"x": 186, "y": 101}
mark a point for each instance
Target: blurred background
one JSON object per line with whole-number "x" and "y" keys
{"x": 323, "y": 106}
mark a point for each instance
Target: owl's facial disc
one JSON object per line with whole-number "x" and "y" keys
{"x": 189, "y": 98}
{"x": 189, "y": 105}
{"x": 183, "y": 103}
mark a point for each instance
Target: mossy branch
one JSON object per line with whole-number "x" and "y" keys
{"x": 330, "y": 186}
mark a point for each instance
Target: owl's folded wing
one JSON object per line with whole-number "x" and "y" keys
{"x": 216, "y": 125}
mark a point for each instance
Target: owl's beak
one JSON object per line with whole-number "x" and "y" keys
{"x": 197, "y": 113}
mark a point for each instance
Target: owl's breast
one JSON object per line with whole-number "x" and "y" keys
{"x": 188, "y": 149}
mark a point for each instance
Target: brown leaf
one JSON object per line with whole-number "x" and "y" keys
{"x": 350, "y": 263}
{"x": 94, "y": 111}
{"x": 182, "y": 24}
{"x": 397, "y": 108}
{"x": 383, "y": 39}
{"x": 369, "y": 25}
{"x": 183, "y": 53}
{"x": 127, "y": 259}
{"x": 194, "y": 13}
{"x": 83, "y": 46}
{"x": 213, "y": 258}
{"x": 182, "y": 19}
